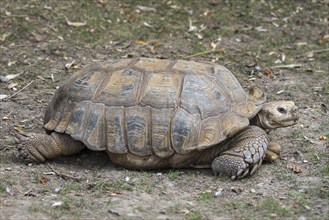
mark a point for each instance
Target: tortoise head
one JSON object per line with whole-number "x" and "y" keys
{"x": 277, "y": 114}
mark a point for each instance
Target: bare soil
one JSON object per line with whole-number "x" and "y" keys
{"x": 47, "y": 41}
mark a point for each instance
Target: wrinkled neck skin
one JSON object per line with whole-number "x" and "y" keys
{"x": 258, "y": 122}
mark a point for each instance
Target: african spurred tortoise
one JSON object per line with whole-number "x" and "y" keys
{"x": 157, "y": 113}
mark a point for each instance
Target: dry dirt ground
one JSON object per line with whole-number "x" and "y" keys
{"x": 46, "y": 41}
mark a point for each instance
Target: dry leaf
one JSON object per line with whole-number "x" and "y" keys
{"x": 296, "y": 168}
{"x": 299, "y": 44}
{"x": 191, "y": 26}
{"x": 267, "y": 71}
{"x": 147, "y": 25}
{"x": 237, "y": 190}
{"x": 324, "y": 39}
{"x": 261, "y": 29}
{"x": 142, "y": 42}
{"x": 8, "y": 77}
{"x": 283, "y": 57}
{"x": 67, "y": 66}
{"x": 43, "y": 180}
{"x": 12, "y": 85}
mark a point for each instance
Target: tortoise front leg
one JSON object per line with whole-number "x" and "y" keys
{"x": 246, "y": 153}
{"x": 38, "y": 147}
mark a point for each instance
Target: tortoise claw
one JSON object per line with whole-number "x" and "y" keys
{"x": 23, "y": 141}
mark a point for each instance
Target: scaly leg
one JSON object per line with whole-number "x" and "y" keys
{"x": 38, "y": 147}
{"x": 246, "y": 153}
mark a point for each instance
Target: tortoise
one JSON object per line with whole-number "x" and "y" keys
{"x": 157, "y": 113}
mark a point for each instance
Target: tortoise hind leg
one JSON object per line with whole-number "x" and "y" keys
{"x": 38, "y": 147}
{"x": 246, "y": 153}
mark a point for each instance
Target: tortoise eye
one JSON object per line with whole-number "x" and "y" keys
{"x": 282, "y": 110}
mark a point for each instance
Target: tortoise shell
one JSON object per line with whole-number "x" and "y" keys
{"x": 150, "y": 106}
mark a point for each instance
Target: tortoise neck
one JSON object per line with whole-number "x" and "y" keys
{"x": 258, "y": 122}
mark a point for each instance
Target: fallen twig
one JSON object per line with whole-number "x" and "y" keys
{"x": 288, "y": 66}
{"x": 21, "y": 89}
{"x": 64, "y": 176}
{"x": 317, "y": 51}
{"x": 222, "y": 50}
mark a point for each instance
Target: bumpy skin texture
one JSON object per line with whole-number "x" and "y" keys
{"x": 246, "y": 153}
{"x": 36, "y": 147}
{"x": 151, "y": 114}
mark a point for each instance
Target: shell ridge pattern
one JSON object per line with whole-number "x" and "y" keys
{"x": 55, "y": 117}
{"x": 116, "y": 137}
{"x": 137, "y": 123}
{"x": 122, "y": 89}
{"x": 76, "y": 126}
{"x": 86, "y": 120}
{"x": 69, "y": 106}
{"x": 201, "y": 95}
{"x": 101, "y": 84}
{"x": 184, "y": 131}
{"x": 160, "y": 90}
{"x": 161, "y": 132}
{"x": 94, "y": 134}
{"x": 141, "y": 86}
{"x": 181, "y": 86}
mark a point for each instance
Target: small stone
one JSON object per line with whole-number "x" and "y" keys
{"x": 57, "y": 190}
{"x": 8, "y": 190}
{"x": 218, "y": 192}
{"x": 258, "y": 68}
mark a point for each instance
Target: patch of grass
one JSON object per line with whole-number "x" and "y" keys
{"x": 325, "y": 87}
{"x": 145, "y": 184}
{"x": 112, "y": 186}
{"x": 319, "y": 191}
{"x": 175, "y": 208}
{"x": 194, "y": 215}
{"x": 313, "y": 157}
{"x": 282, "y": 173}
{"x": 147, "y": 174}
{"x": 205, "y": 196}
{"x": 72, "y": 186}
{"x": 5, "y": 181}
{"x": 272, "y": 207}
{"x": 325, "y": 170}
{"x": 173, "y": 174}
{"x": 300, "y": 198}
{"x": 234, "y": 205}
{"x": 70, "y": 205}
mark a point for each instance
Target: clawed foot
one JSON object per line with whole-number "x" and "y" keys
{"x": 245, "y": 156}
{"x": 26, "y": 151}
{"x": 235, "y": 167}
